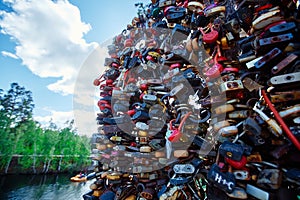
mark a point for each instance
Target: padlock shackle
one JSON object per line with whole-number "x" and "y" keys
{"x": 183, "y": 120}
{"x": 280, "y": 120}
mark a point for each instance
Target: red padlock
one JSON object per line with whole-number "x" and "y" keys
{"x": 103, "y": 106}
{"x": 144, "y": 87}
{"x": 96, "y": 82}
{"x": 175, "y": 65}
{"x": 175, "y": 136}
{"x": 237, "y": 164}
{"x": 131, "y": 112}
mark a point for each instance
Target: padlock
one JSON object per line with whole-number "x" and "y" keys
{"x": 195, "y": 6}
{"x": 214, "y": 10}
{"x": 177, "y": 90}
{"x": 238, "y": 193}
{"x": 228, "y": 131}
{"x": 271, "y": 57}
{"x": 181, "y": 153}
{"x": 290, "y": 112}
{"x": 177, "y": 181}
{"x": 266, "y": 19}
{"x": 210, "y": 37}
{"x": 183, "y": 169}
{"x": 270, "y": 178}
{"x": 285, "y": 80}
{"x": 285, "y": 96}
{"x": 218, "y": 125}
{"x": 239, "y": 114}
{"x": 285, "y": 63}
{"x": 253, "y": 131}
{"x": 175, "y": 135}
{"x": 148, "y": 193}
{"x": 166, "y": 3}
{"x": 224, "y": 109}
{"x": 107, "y": 195}
{"x": 237, "y": 164}
{"x": 275, "y": 41}
{"x": 241, "y": 175}
{"x": 145, "y": 149}
{"x": 231, "y": 150}
{"x": 229, "y": 86}
{"x": 225, "y": 182}
{"x": 257, "y": 192}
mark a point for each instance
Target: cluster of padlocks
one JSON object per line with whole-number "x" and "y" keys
{"x": 200, "y": 100}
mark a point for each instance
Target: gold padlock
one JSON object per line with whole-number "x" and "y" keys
{"x": 181, "y": 153}
{"x": 218, "y": 125}
{"x": 142, "y": 133}
{"x": 159, "y": 154}
{"x": 113, "y": 177}
{"x": 101, "y": 147}
{"x": 97, "y": 193}
{"x": 145, "y": 149}
{"x": 131, "y": 197}
{"x": 224, "y": 109}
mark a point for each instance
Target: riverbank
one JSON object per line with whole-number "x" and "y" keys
{"x": 53, "y": 167}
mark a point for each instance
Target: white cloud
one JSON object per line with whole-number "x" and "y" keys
{"x": 49, "y": 39}
{"x": 9, "y": 54}
{"x": 85, "y": 121}
{"x": 57, "y": 117}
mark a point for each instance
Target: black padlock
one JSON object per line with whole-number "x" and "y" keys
{"x": 141, "y": 116}
{"x": 224, "y": 181}
{"x": 231, "y": 150}
{"x": 253, "y": 131}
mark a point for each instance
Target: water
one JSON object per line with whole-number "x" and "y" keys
{"x": 41, "y": 187}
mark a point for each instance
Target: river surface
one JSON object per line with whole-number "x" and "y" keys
{"x": 41, "y": 187}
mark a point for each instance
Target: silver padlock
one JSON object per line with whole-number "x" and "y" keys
{"x": 257, "y": 193}
{"x": 184, "y": 169}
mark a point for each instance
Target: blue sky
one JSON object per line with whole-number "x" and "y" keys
{"x": 44, "y": 44}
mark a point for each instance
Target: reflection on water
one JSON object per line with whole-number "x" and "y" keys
{"x": 43, "y": 187}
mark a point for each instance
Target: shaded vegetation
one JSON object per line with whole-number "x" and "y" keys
{"x": 37, "y": 149}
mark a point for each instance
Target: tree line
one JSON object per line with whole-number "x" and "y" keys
{"x": 36, "y": 148}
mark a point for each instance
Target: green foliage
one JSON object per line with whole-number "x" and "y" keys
{"x": 21, "y": 135}
{"x": 16, "y": 105}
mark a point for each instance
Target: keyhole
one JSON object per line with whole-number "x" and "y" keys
{"x": 289, "y": 78}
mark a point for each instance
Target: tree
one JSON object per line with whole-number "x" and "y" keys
{"x": 16, "y": 105}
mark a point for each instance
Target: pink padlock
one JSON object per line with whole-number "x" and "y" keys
{"x": 210, "y": 37}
